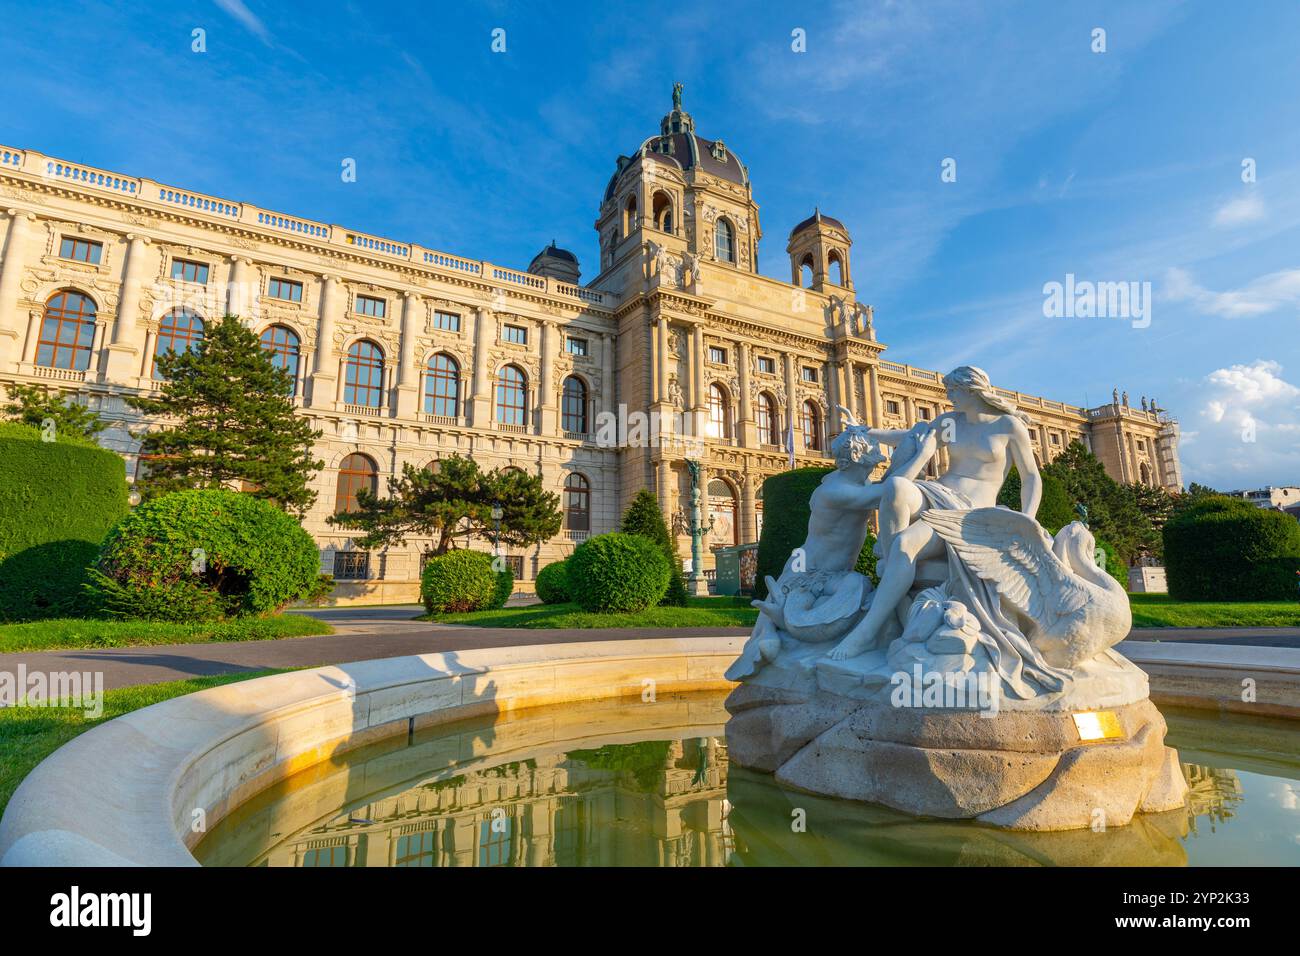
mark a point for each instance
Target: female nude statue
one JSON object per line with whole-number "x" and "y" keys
{"x": 984, "y": 435}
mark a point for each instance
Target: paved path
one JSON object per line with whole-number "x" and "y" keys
{"x": 367, "y": 633}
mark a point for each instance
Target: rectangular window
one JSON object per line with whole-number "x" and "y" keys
{"x": 285, "y": 289}
{"x": 81, "y": 250}
{"x": 446, "y": 321}
{"x": 718, "y": 356}
{"x": 351, "y": 565}
{"x": 767, "y": 365}
{"x": 1056, "y": 440}
{"x": 892, "y": 408}
{"x": 575, "y": 346}
{"x": 923, "y": 413}
{"x": 369, "y": 305}
{"x": 809, "y": 373}
{"x": 516, "y": 562}
{"x": 515, "y": 334}
{"x": 185, "y": 271}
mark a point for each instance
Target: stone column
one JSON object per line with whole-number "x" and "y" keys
{"x": 547, "y": 410}
{"x": 124, "y": 354}
{"x": 11, "y": 270}
{"x": 699, "y": 392}
{"x": 661, "y": 360}
{"x": 484, "y": 330}
{"x": 791, "y": 406}
{"x": 408, "y": 379}
{"x": 608, "y": 398}
{"x": 748, "y": 510}
{"x": 748, "y": 433}
{"x": 240, "y": 294}
{"x": 835, "y": 398}
{"x": 326, "y": 378}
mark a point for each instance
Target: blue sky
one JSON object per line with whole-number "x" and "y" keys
{"x": 1123, "y": 165}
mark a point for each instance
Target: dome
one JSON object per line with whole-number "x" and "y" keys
{"x": 554, "y": 261}
{"x": 815, "y": 218}
{"x": 678, "y": 144}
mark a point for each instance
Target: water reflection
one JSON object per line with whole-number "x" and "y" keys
{"x": 631, "y": 783}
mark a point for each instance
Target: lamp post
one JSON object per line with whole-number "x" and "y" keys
{"x": 497, "y": 513}
{"x": 697, "y": 531}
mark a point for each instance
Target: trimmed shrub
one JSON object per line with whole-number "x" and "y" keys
{"x": 1226, "y": 549}
{"x": 617, "y": 572}
{"x": 1115, "y": 565}
{"x": 785, "y": 524}
{"x": 464, "y": 580}
{"x": 57, "y": 502}
{"x": 203, "y": 555}
{"x": 643, "y": 517}
{"x": 553, "y": 583}
{"x": 504, "y": 586}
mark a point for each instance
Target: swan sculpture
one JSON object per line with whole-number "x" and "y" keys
{"x": 1073, "y": 609}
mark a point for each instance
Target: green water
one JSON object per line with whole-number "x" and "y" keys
{"x": 649, "y": 785}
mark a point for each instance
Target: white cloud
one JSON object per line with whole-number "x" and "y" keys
{"x": 1266, "y": 294}
{"x": 239, "y": 10}
{"x": 1246, "y": 428}
{"x": 1238, "y": 212}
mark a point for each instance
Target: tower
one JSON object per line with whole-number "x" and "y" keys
{"x": 819, "y": 254}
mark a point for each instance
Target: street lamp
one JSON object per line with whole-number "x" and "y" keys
{"x": 497, "y": 513}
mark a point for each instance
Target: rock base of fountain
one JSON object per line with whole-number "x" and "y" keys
{"x": 1035, "y": 767}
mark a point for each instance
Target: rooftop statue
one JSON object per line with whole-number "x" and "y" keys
{"x": 971, "y": 593}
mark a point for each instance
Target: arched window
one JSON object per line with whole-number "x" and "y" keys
{"x": 769, "y": 431}
{"x": 722, "y": 512}
{"x": 67, "y": 331}
{"x": 662, "y": 212}
{"x": 719, "y": 412}
{"x": 835, "y": 269}
{"x": 573, "y": 405}
{"x": 363, "y": 375}
{"x": 179, "y": 331}
{"x": 1145, "y": 473}
{"x": 629, "y": 216}
{"x": 283, "y": 344}
{"x": 810, "y": 423}
{"x": 512, "y": 396}
{"x": 356, "y": 471}
{"x": 724, "y": 242}
{"x": 442, "y": 386}
{"x": 577, "y": 503}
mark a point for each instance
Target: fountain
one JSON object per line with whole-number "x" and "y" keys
{"x": 978, "y": 680}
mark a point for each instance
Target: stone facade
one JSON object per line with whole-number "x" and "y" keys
{"x": 678, "y": 326}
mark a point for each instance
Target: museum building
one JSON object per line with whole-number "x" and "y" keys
{"x": 404, "y": 355}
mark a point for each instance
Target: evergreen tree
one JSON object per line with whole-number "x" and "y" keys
{"x": 36, "y": 406}
{"x": 643, "y": 517}
{"x": 1113, "y": 512}
{"x": 232, "y": 420}
{"x": 455, "y": 502}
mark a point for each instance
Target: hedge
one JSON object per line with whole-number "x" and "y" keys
{"x": 617, "y": 572}
{"x": 553, "y": 584}
{"x": 785, "y": 524}
{"x": 464, "y": 580}
{"x": 204, "y": 555}
{"x": 57, "y": 502}
{"x": 1226, "y": 549}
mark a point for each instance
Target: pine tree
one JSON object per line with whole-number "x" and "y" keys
{"x": 643, "y": 517}
{"x": 1113, "y": 512}
{"x": 231, "y": 419}
{"x": 455, "y": 502}
{"x": 37, "y": 407}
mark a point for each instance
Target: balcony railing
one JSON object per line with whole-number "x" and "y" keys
{"x": 368, "y": 411}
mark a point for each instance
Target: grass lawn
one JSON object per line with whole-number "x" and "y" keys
{"x": 30, "y": 734}
{"x": 62, "y": 633}
{"x": 702, "y": 612}
{"x": 1160, "y": 610}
